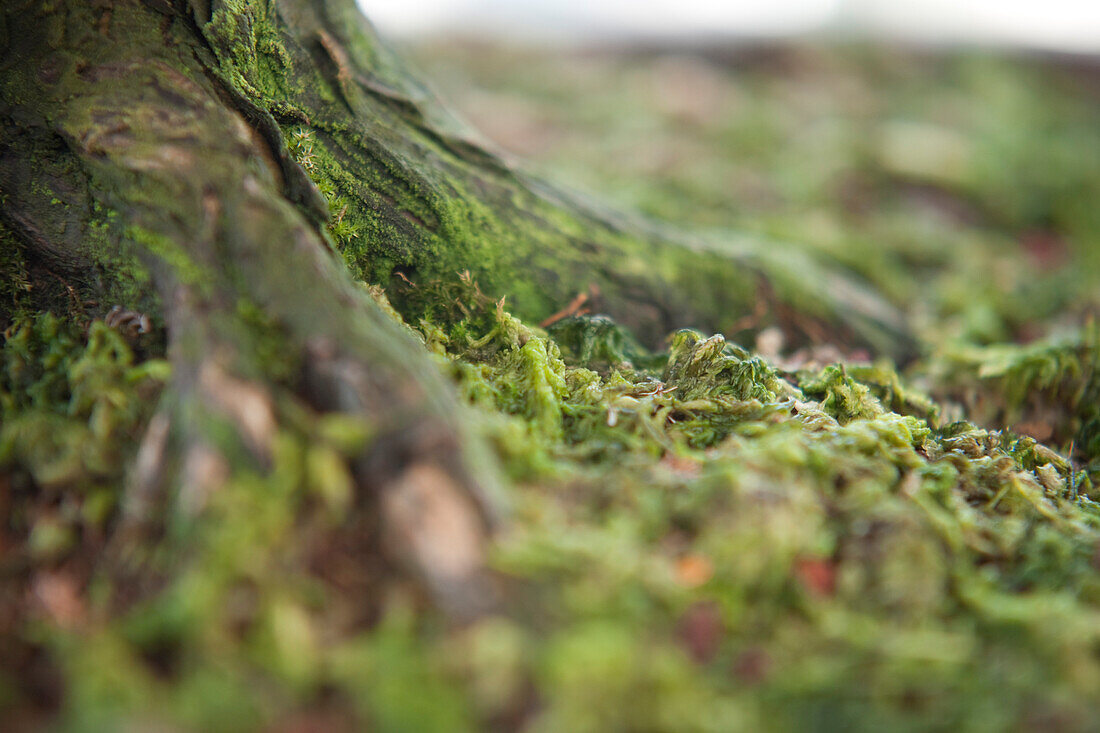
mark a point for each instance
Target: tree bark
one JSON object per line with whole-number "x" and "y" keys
{"x": 234, "y": 168}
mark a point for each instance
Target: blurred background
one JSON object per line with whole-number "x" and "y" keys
{"x": 1070, "y": 25}
{"x": 947, "y": 153}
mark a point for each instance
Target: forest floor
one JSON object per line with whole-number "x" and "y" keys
{"x": 732, "y": 534}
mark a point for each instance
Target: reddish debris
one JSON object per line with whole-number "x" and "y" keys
{"x": 576, "y": 307}
{"x": 58, "y": 595}
{"x": 688, "y": 467}
{"x": 693, "y": 570}
{"x": 1047, "y": 250}
{"x": 700, "y": 631}
{"x": 817, "y": 574}
{"x": 752, "y": 665}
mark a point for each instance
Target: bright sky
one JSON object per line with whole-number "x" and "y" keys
{"x": 1071, "y": 25}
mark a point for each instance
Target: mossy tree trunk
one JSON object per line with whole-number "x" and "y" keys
{"x": 237, "y": 168}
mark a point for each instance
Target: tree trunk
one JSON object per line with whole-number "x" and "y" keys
{"x": 209, "y": 162}
{"x": 234, "y": 178}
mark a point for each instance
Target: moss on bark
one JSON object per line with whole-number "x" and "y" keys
{"x": 242, "y": 483}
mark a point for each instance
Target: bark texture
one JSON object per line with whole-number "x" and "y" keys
{"x": 701, "y": 539}
{"x": 139, "y": 172}
{"x": 234, "y": 168}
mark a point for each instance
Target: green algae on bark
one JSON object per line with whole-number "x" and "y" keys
{"x": 695, "y": 534}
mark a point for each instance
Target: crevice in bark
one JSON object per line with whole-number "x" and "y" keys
{"x": 170, "y": 120}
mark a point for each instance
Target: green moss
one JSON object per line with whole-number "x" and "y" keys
{"x": 894, "y": 393}
{"x": 250, "y": 49}
{"x": 1050, "y": 387}
{"x": 702, "y": 538}
{"x": 173, "y": 255}
{"x": 713, "y": 368}
{"x": 841, "y": 396}
{"x": 599, "y": 343}
{"x": 14, "y": 279}
{"x": 124, "y": 280}
{"x": 72, "y": 405}
{"x": 707, "y": 538}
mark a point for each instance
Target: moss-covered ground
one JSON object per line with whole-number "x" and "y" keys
{"x": 726, "y": 534}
